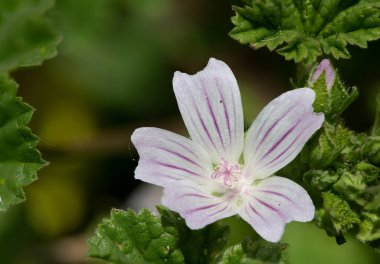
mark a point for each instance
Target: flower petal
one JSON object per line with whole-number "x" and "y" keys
{"x": 272, "y": 203}
{"x": 279, "y": 132}
{"x": 324, "y": 66}
{"x": 166, "y": 157}
{"x": 211, "y": 108}
{"x": 196, "y": 204}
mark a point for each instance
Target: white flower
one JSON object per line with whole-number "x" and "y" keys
{"x": 219, "y": 172}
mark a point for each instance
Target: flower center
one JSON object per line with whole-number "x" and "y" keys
{"x": 227, "y": 174}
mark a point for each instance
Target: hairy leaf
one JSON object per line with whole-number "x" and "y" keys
{"x": 373, "y": 149}
{"x": 369, "y": 228}
{"x": 128, "y": 237}
{"x": 197, "y": 246}
{"x": 303, "y": 30}
{"x": 255, "y": 252}
{"x": 26, "y": 36}
{"x": 19, "y": 158}
{"x": 320, "y": 180}
{"x": 336, "y": 216}
{"x": 352, "y": 187}
{"x": 328, "y": 145}
{"x": 332, "y": 101}
{"x": 341, "y": 168}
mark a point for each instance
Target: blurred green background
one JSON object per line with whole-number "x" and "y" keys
{"x": 112, "y": 75}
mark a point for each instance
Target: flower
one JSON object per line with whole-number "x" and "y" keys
{"x": 324, "y": 66}
{"x": 219, "y": 172}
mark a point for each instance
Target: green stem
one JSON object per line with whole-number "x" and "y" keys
{"x": 376, "y": 126}
{"x": 302, "y": 73}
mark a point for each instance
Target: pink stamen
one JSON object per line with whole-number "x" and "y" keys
{"x": 226, "y": 173}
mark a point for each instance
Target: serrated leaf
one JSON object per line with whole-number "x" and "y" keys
{"x": 19, "y": 158}
{"x": 304, "y": 30}
{"x": 129, "y": 237}
{"x": 234, "y": 255}
{"x": 26, "y": 36}
{"x": 351, "y": 186}
{"x": 336, "y": 216}
{"x": 328, "y": 145}
{"x": 369, "y": 228}
{"x": 255, "y": 252}
{"x": 198, "y": 246}
{"x": 372, "y": 149}
{"x": 333, "y": 100}
{"x": 374, "y": 204}
{"x": 320, "y": 180}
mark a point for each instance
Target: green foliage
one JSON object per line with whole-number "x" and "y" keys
{"x": 332, "y": 101}
{"x": 373, "y": 143}
{"x": 255, "y": 252}
{"x": 303, "y": 30}
{"x": 328, "y": 145}
{"x": 19, "y": 158}
{"x": 320, "y": 180}
{"x": 198, "y": 246}
{"x": 342, "y": 169}
{"x": 336, "y": 215}
{"x": 127, "y": 237}
{"x": 27, "y": 37}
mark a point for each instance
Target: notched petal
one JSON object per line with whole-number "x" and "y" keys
{"x": 211, "y": 108}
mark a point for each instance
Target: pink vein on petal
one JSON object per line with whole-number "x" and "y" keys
{"x": 176, "y": 167}
{"x": 225, "y": 109}
{"x": 212, "y": 113}
{"x": 273, "y": 125}
{"x": 180, "y": 155}
{"x": 269, "y": 206}
{"x": 282, "y": 138}
{"x": 204, "y": 126}
{"x": 202, "y": 208}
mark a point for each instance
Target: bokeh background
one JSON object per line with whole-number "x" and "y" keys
{"x": 113, "y": 74}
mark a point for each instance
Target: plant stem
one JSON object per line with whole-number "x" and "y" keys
{"x": 376, "y": 126}
{"x": 302, "y": 73}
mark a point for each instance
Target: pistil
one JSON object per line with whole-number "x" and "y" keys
{"x": 227, "y": 174}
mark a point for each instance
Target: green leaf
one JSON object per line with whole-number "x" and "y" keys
{"x": 372, "y": 149}
{"x": 19, "y": 158}
{"x": 328, "y": 145}
{"x": 255, "y": 252}
{"x": 334, "y": 100}
{"x": 336, "y": 216}
{"x": 320, "y": 180}
{"x": 197, "y": 246}
{"x": 304, "y": 30}
{"x": 352, "y": 186}
{"x": 26, "y": 36}
{"x": 369, "y": 228}
{"x": 128, "y": 237}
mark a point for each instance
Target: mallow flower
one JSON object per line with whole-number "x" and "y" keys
{"x": 221, "y": 171}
